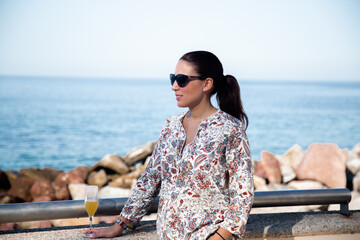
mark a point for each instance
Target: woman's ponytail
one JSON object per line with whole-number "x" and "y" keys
{"x": 229, "y": 98}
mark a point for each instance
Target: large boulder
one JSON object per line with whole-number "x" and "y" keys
{"x": 112, "y": 162}
{"x": 353, "y": 165}
{"x": 323, "y": 162}
{"x": 259, "y": 182}
{"x": 121, "y": 182}
{"x": 356, "y": 182}
{"x": 113, "y": 192}
{"x": 4, "y": 181}
{"x": 39, "y": 174}
{"x": 97, "y": 178}
{"x": 11, "y": 176}
{"x": 70, "y": 177}
{"x": 60, "y": 187}
{"x": 80, "y": 172}
{"x": 292, "y": 157}
{"x": 77, "y": 191}
{"x": 259, "y": 169}
{"x": 21, "y": 188}
{"x": 355, "y": 152}
{"x": 306, "y": 184}
{"x": 287, "y": 173}
{"x": 271, "y": 167}
{"x": 139, "y": 153}
{"x": 42, "y": 188}
{"x": 74, "y": 221}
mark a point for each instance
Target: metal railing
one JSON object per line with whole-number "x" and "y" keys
{"x": 20, "y": 212}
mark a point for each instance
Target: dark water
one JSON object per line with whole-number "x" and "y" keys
{"x": 64, "y": 122}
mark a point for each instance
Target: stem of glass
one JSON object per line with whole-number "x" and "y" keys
{"x": 90, "y": 223}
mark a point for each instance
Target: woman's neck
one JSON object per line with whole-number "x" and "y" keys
{"x": 198, "y": 113}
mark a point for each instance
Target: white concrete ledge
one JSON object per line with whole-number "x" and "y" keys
{"x": 260, "y": 226}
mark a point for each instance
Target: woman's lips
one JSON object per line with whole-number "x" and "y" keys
{"x": 178, "y": 97}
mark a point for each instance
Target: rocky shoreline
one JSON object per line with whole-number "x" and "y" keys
{"x": 321, "y": 165}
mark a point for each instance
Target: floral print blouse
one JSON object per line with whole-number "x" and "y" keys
{"x": 203, "y": 186}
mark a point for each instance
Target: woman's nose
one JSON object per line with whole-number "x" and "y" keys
{"x": 175, "y": 86}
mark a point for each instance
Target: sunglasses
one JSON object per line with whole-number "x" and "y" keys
{"x": 183, "y": 80}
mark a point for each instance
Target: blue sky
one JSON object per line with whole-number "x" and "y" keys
{"x": 255, "y": 39}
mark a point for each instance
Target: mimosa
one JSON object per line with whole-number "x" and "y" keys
{"x": 91, "y": 207}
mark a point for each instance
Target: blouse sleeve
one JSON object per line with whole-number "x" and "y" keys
{"x": 241, "y": 185}
{"x": 146, "y": 188}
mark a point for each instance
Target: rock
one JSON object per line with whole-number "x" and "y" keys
{"x": 139, "y": 153}
{"x": 61, "y": 190}
{"x": 97, "y": 178}
{"x": 34, "y": 224}
{"x": 112, "y": 162}
{"x": 259, "y": 181}
{"x": 292, "y": 157}
{"x": 113, "y": 192}
{"x": 271, "y": 167}
{"x": 8, "y": 226}
{"x": 37, "y": 174}
{"x": 353, "y": 165}
{"x": 42, "y": 188}
{"x": 126, "y": 181}
{"x": 323, "y": 162}
{"x": 4, "y": 181}
{"x": 139, "y": 169}
{"x": 74, "y": 221}
{"x": 77, "y": 191}
{"x": 41, "y": 224}
{"x": 21, "y": 188}
{"x": 121, "y": 182}
{"x": 78, "y": 173}
{"x": 69, "y": 177}
{"x": 42, "y": 199}
{"x": 5, "y": 199}
{"x": 346, "y": 153}
{"x": 12, "y": 176}
{"x": 356, "y": 182}
{"x": 306, "y": 184}
{"x": 274, "y": 187}
{"x": 355, "y": 152}
{"x": 287, "y": 173}
{"x": 259, "y": 170}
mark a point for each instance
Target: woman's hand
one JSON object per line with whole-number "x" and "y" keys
{"x": 108, "y": 232}
{"x": 220, "y": 234}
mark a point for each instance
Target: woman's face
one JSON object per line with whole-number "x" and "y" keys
{"x": 192, "y": 94}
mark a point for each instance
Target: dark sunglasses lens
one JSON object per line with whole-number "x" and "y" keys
{"x": 182, "y": 80}
{"x": 172, "y": 79}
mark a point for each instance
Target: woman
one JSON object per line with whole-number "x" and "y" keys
{"x": 201, "y": 165}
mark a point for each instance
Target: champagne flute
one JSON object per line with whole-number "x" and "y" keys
{"x": 91, "y": 203}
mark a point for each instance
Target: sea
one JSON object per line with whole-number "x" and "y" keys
{"x": 63, "y": 122}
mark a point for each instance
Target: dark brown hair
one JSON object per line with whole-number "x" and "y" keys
{"x": 226, "y": 87}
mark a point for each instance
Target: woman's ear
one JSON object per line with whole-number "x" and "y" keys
{"x": 208, "y": 84}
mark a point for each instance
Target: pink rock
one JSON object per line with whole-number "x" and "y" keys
{"x": 42, "y": 188}
{"x": 21, "y": 188}
{"x": 80, "y": 172}
{"x": 42, "y": 199}
{"x": 41, "y": 224}
{"x": 259, "y": 170}
{"x": 70, "y": 177}
{"x": 8, "y": 226}
{"x": 325, "y": 163}
{"x": 271, "y": 167}
{"x": 61, "y": 189}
